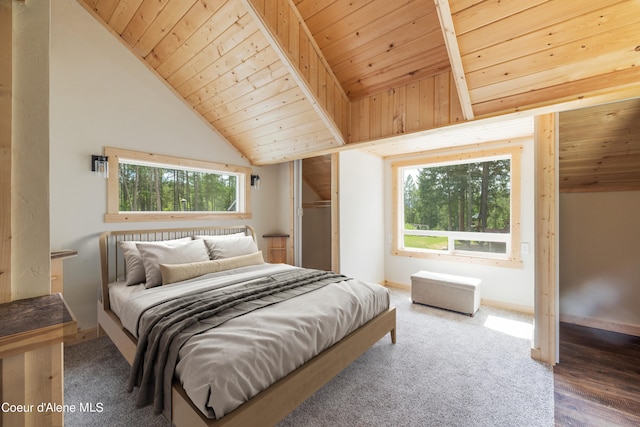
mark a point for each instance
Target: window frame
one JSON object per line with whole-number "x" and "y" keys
{"x": 511, "y": 259}
{"x": 113, "y": 214}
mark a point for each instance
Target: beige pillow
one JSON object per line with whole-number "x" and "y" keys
{"x": 172, "y": 273}
{"x": 154, "y": 254}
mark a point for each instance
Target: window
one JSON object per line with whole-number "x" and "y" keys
{"x": 149, "y": 187}
{"x": 459, "y": 207}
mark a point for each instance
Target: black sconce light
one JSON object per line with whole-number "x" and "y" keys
{"x": 255, "y": 182}
{"x": 100, "y": 165}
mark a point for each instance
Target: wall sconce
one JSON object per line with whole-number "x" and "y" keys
{"x": 255, "y": 182}
{"x": 100, "y": 165}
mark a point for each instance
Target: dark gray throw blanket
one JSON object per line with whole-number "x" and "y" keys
{"x": 166, "y": 327}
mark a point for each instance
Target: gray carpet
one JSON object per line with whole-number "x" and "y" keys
{"x": 446, "y": 369}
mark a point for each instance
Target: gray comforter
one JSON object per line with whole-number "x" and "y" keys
{"x": 166, "y": 328}
{"x": 223, "y": 367}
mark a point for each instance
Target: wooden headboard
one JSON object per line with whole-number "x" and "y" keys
{"x": 112, "y": 261}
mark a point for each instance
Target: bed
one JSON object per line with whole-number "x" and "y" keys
{"x": 279, "y": 374}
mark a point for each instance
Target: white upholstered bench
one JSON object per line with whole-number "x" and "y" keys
{"x": 456, "y": 293}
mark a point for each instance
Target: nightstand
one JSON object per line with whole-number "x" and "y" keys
{"x": 276, "y": 248}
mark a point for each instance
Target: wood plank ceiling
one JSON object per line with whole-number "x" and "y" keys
{"x": 600, "y": 148}
{"x": 290, "y": 79}
{"x": 316, "y": 172}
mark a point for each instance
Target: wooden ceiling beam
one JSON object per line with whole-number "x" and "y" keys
{"x": 291, "y": 40}
{"x": 449, "y": 33}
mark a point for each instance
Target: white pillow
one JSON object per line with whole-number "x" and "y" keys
{"x": 155, "y": 253}
{"x": 172, "y": 273}
{"x": 231, "y": 247}
{"x": 216, "y": 237}
{"x": 133, "y": 261}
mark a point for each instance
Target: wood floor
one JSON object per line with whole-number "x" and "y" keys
{"x": 597, "y": 382}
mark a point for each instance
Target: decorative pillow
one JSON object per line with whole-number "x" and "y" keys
{"x": 231, "y": 247}
{"x": 209, "y": 240}
{"x": 156, "y": 253}
{"x": 133, "y": 260}
{"x": 172, "y": 273}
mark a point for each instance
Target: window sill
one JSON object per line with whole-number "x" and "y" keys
{"x": 478, "y": 260}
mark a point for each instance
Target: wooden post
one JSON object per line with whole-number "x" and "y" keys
{"x": 6, "y": 75}
{"x": 335, "y": 212}
{"x": 6, "y": 55}
{"x": 545, "y": 346}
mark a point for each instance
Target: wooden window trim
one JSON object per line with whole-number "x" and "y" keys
{"x": 514, "y": 259}
{"x": 114, "y": 215}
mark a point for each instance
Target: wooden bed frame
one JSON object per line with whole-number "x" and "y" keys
{"x": 272, "y": 404}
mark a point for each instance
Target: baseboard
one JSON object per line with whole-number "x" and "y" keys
{"x": 605, "y": 325}
{"x": 395, "y": 285}
{"x": 83, "y": 336}
{"x": 483, "y": 301}
{"x": 507, "y": 306}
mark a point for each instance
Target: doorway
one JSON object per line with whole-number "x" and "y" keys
{"x": 316, "y": 218}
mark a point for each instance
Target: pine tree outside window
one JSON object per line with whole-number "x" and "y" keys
{"x": 464, "y": 206}
{"x": 150, "y": 187}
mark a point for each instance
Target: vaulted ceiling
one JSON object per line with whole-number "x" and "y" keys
{"x": 290, "y": 79}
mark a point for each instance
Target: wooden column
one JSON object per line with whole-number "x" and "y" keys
{"x": 335, "y": 212}
{"x": 31, "y": 354}
{"x": 6, "y": 28}
{"x": 546, "y": 223}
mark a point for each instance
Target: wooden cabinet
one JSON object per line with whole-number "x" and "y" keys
{"x": 276, "y": 248}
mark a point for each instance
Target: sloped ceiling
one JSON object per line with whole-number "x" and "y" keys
{"x": 290, "y": 79}
{"x": 316, "y": 172}
{"x": 372, "y": 46}
{"x": 600, "y": 148}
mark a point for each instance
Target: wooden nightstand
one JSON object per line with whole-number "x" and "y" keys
{"x": 276, "y": 248}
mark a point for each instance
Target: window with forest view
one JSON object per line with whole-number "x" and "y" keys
{"x": 146, "y": 188}
{"x": 154, "y": 187}
{"x": 456, "y": 207}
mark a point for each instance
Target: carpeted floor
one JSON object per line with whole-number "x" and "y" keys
{"x": 446, "y": 369}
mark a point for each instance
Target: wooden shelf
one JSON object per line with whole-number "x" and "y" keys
{"x": 64, "y": 253}
{"x": 34, "y": 322}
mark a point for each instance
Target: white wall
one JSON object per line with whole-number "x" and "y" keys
{"x": 362, "y": 216}
{"x": 101, "y": 95}
{"x": 510, "y": 287}
{"x": 600, "y": 259}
